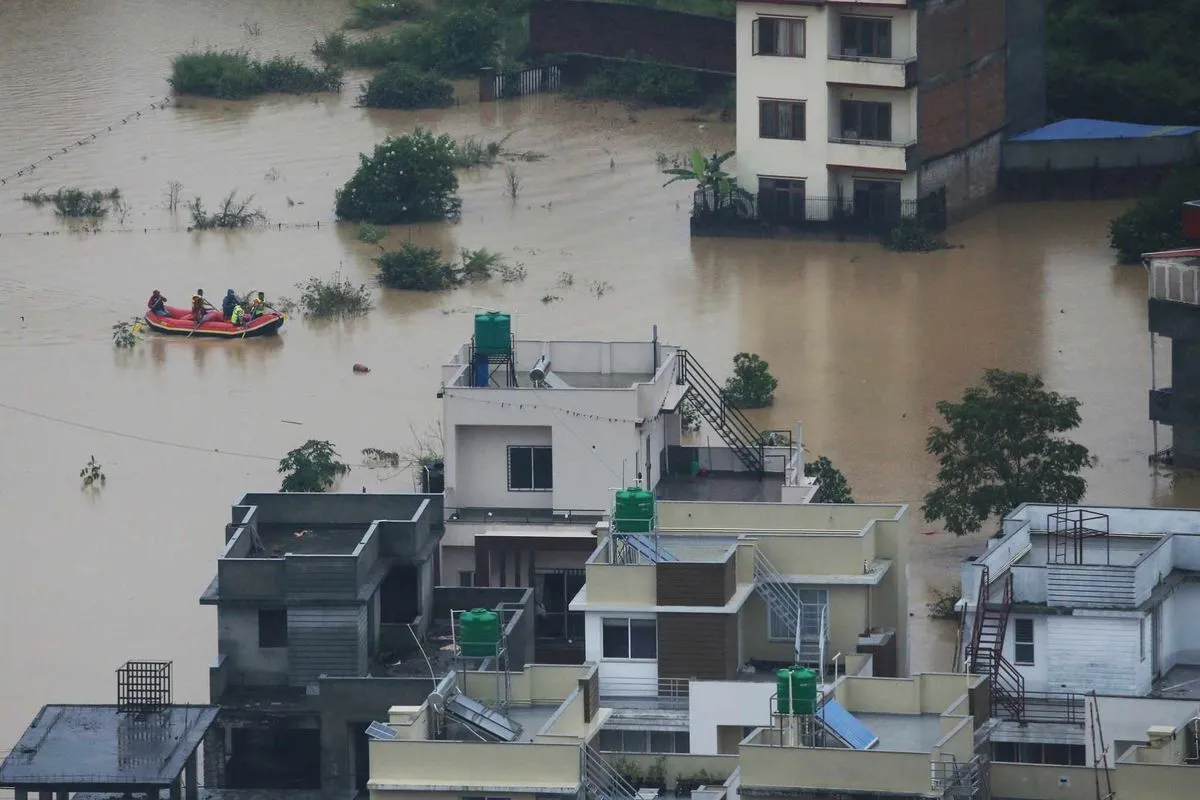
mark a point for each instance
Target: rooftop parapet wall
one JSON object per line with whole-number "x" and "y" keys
{"x": 633, "y": 359}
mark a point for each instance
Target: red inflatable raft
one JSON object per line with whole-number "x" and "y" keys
{"x": 181, "y": 321}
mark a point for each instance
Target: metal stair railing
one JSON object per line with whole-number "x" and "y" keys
{"x": 780, "y": 597}
{"x": 741, "y": 435}
{"x": 601, "y": 781}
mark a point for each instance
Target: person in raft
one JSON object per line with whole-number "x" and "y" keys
{"x": 238, "y": 316}
{"x": 199, "y": 305}
{"x": 157, "y": 304}
{"x": 258, "y": 305}
{"x": 228, "y": 303}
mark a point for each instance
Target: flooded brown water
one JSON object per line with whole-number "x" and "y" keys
{"x": 863, "y": 342}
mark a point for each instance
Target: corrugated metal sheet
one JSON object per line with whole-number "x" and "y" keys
{"x": 327, "y": 640}
{"x": 1069, "y": 129}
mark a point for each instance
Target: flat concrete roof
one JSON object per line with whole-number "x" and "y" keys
{"x": 323, "y": 540}
{"x": 1114, "y": 549}
{"x": 1182, "y": 682}
{"x": 721, "y": 487}
{"x": 903, "y": 733}
{"x": 103, "y": 747}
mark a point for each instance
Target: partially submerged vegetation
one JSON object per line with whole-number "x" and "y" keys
{"x": 407, "y": 178}
{"x": 333, "y": 297}
{"x": 417, "y": 268}
{"x": 646, "y": 84}
{"x": 1156, "y": 222}
{"x": 312, "y": 467}
{"x": 75, "y": 202}
{"x": 404, "y": 86}
{"x": 911, "y": 235}
{"x": 369, "y": 14}
{"x": 235, "y": 75}
{"x": 127, "y": 333}
{"x": 752, "y": 385}
{"x": 231, "y": 213}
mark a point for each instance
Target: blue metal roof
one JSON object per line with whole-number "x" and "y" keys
{"x": 1068, "y": 129}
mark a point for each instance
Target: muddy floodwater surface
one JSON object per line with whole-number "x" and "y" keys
{"x": 863, "y": 342}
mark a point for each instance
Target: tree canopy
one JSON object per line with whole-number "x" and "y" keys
{"x": 832, "y": 486}
{"x": 1123, "y": 60}
{"x": 408, "y": 178}
{"x": 1002, "y": 446}
{"x": 311, "y": 467}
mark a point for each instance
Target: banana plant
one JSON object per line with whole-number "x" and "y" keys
{"x": 711, "y": 179}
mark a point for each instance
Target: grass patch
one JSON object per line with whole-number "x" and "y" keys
{"x": 75, "y": 202}
{"x": 644, "y": 84}
{"x": 403, "y": 86}
{"x": 369, "y": 14}
{"x": 455, "y": 43}
{"x": 231, "y": 213}
{"x": 234, "y": 75}
{"x": 333, "y": 297}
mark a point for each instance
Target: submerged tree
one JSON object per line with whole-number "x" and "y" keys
{"x": 752, "y": 385}
{"x": 311, "y": 467}
{"x": 1001, "y": 447}
{"x": 407, "y": 178}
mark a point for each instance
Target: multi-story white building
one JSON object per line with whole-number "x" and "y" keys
{"x": 852, "y": 110}
{"x": 827, "y": 105}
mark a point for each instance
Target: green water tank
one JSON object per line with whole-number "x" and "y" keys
{"x": 783, "y": 691}
{"x": 804, "y": 691}
{"x": 493, "y": 334}
{"x": 479, "y": 632}
{"x": 633, "y": 511}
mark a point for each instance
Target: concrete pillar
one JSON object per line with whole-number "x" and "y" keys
{"x": 191, "y": 791}
{"x": 177, "y": 788}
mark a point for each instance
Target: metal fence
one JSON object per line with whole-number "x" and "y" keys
{"x": 495, "y": 85}
{"x": 835, "y": 214}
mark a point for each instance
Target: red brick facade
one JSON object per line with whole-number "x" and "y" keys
{"x": 961, "y": 62}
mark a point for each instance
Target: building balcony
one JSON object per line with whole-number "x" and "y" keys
{"x": 885, "y": 73}
{"x": 871, "y": 154}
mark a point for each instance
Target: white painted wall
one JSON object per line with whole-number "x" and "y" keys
{"x": 1128, "y": 718}
{"x": 645, "y": 670}
{"x": 1095, "y": 651}
{"x": 713, "y": 703}
{"x": 482, "y": 458}
{"x": 788, "y": 78}
{"x": 1180, "y": 634}
{"x": 1037, "y": 676}
{"x": 237, "y": 635}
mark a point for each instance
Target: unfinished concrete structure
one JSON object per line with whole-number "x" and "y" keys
{"x": 143, "y": 745}
{"x": 315, "y": 594}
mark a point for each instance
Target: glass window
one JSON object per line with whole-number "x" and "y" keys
{"x": 778, "y": 36}
{"x": 866, "y": 121}
{"x": 630, "y": 638}
{"x": 272, "y": 627}
{"x": 530, "y": 469}
{"x": 781, "y": 119}
{"x": 616, "y": 638}
{"x": 868, "y": 37}
{"x": 643, "y": 638}
{"x": 1023, "y": 641}
{"x": 780, "y": 629}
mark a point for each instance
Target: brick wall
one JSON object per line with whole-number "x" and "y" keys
{"x": 612, "y": 30}
{"x": 961, "y": 68}
{"x": 970, "y": 177}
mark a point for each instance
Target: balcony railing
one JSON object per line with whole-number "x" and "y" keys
{"x": 891, "y": 73}
{"x": 652, "y": 692}
{"x": 813, "y": 212}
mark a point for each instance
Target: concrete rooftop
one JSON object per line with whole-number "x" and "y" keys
{"x": 1182, "y": 682}
{"x": 332, "y": 540}
{"x": 726, "y": 487}
{"x": 100, "y": 746}
{"x": 903, "y": 733}
{"x": 1114, "y": 549}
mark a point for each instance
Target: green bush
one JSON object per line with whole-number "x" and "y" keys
{"x": 408, "y": 178}
{"x": 234, "y": 75}
{"x": 75, "y": 202}
{"x": 752, "y": 385}
{"x": 455, "y": 42}
{"x": 1156, "y": 222}
{"x": 416, "y": 268}
{"x": 402, "y": 86}
{"x": 911, "y": 236}
{"x": 334, "y": 297}
{"x": 644, "y": 84}
{"x": 369, "y": 14}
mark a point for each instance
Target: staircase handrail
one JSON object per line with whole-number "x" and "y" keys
{"x": 597, "y": 770}
{"x": 980, "y": 610}
{"x": 773, "y": 587}
{"x": 693, "y": 372}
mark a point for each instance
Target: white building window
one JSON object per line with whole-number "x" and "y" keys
{"x": 780, "y": 629}
{"x": 778, "y": 36}
{"x": 1023, "y": 641}
{"x": 530, "y": 469}
{"x": 866, "y": 121}
{"x": 781, "y": 119}
{"x": 630, "y": 638}
{"x": 866, "y": 37}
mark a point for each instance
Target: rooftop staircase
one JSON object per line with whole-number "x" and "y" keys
{"x": 739, "y": 433}
{"x": 601, "y": 781}
{"x": 809, "y": 620}
{"x": 985, "y": 654}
